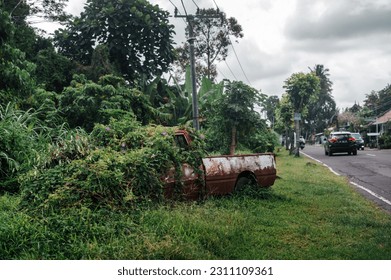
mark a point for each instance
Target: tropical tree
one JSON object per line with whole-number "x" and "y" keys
{"x": 349, "y": 120}
{"x": 137, "y": 34}
{"x": 385, "y": 99}
{"x": 376, "y": 104}
{"x": 270, "y": 105}
{"x": 232, "y": 116}
{"x": 301, "y": 88}
{"x": 85, "y": 103}
{"x": 284, "y": 118}
{"x": 23, "y": 14}
{"x": 53, "y": 71}
{"x": 52, "y": 10}
{"x": 16, "y": 82}
{"x": 371, "y": 102}
{"x": 212, "y": 30}
{"x": 321, "y": 110}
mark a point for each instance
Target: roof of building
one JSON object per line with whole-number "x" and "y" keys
{"x": 384, "y": 118}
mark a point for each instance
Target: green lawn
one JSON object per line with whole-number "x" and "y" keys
{"x": 310, "y": 214}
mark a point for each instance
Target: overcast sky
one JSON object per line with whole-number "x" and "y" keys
{"x": 352, "y": 38}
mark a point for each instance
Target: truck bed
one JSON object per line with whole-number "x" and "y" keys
{"x": 223, "y": 172}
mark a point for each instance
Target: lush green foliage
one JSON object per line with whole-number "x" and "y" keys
{"x": 29, "y": 144}
{"x": 301, "y": 88}
{"x": 385, "y": 139}
{"x": 301, "y": 91}
{"x": 322, "y": 108}
{"x": 54, "y": 71}
{"x": 48, "y": 9}
{"x": 20, "y": 145}
{"x": 378, "y": 102}
{"x": 85, "y": 103}
{"x": 232, "y": 120}
{"x": 16, "y": 82}
{"x": 137, "y": 34}
{"x": 120, "y": 165}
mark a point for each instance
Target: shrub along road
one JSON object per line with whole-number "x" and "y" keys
{"x": 369, "y": 171}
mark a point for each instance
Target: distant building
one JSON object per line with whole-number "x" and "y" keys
{"x": 381, "y": 125}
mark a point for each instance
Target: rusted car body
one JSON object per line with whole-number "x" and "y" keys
{"x": 223, "y": 174}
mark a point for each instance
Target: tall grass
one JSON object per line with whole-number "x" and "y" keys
{"x": 310, "y": 214}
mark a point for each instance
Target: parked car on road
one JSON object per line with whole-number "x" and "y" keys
{"x": 359, "y": 140}
{"x": 340, "y": 142}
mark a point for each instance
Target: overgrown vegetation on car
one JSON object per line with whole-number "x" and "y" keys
{"x": 115, "y": 167}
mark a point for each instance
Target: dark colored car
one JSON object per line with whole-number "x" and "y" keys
{"x": 340, "y": 142}
{"x": 359, "y": 140}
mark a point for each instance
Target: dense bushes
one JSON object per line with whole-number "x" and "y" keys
{"x": 21, "y": 144}
{"x": 385, "y": 141}
{"x": 124, "y": 164}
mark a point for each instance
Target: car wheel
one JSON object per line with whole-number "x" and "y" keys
{"x": 325, "y": 152}
{"x": 355, "y": 152}
{"x": 330, "y": 153}
{"x": 244, "y": 181}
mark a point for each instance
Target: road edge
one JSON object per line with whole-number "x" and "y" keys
{"x": 351, "y": 182}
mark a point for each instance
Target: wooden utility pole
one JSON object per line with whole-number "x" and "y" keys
{"x": 191, "y": 39}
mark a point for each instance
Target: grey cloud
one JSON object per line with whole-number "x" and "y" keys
{"x": 258, "y": 64}
{"x": 339, "y": 21}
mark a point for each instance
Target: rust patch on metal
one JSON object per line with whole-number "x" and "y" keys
{"x": 221, "y": 174}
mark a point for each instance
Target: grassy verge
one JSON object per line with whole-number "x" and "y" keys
{"x": 308, "y": 214}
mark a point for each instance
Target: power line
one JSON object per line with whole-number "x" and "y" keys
{"x": 216, "y": 5}
{"x": 195, "y": 4}
{"x": 184, "y": 8}
{"x": 222, "y": 74}
{"x": 189, "y": 22}
{"x": 172, "y": 3}
{"x": 236, "y": 55}
{"x": 230, "y": 70}
{"x": 177, "y": 10}
{"x": 237, "y": 58}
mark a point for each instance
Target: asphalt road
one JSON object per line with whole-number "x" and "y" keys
{"x": 369, "y": 171}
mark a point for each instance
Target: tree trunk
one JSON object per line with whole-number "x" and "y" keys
{"x": 233, "y": 141}
{"x": 297, "y": 128}
{"x": 287, "y": 139}
{"x": 291, "y": 141}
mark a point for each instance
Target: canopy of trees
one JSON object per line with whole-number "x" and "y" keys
{"x": 212, "y": 30}
{"x": 137, "y": 34}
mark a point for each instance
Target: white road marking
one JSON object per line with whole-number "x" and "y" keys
{"x": 353, "y": 183}
{"x": 372, "y": 193}
{"x": 332, "y": 170}
{"x": 371, "y": 155}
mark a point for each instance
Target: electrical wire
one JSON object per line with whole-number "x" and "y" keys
{"x": 230, "y": 70}
{"x": 177, "y": 10}
{"x": 216, "y": 4}
{"x": 221, "y": 73}
{"x": 240, "y": 64}
{"x": 195, "y": 4}
{"x": 184, "y": 8}
{"x": 236, "y": 55}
